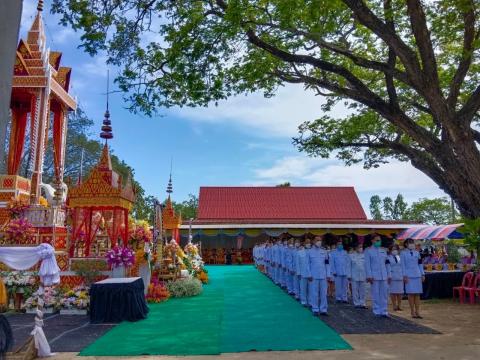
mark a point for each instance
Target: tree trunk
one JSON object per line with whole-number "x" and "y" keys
{"x": 10, "y": 16}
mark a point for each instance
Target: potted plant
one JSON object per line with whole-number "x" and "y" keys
{"x": 50, "y": 301}
{"x": 120, "y": 258}
{"x": 75, "y": 301}
{"x": 19, "y": 285}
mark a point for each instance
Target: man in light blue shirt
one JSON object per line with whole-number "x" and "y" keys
{"x": 303, "y": 271}
{"x": 319, "y": 273}
{"x": 377, "y": 270}
{"x": 340, "y": 262}
{"x": 290, "y": 270}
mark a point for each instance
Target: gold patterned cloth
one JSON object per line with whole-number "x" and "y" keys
{"x": 3, "y": 294}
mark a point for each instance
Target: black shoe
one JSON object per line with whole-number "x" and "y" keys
{"x": 345, "y": 301}
{"x": 315, "y": 313}
{"x": 323, "y": 314}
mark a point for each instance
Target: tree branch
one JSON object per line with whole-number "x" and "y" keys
{"x": 421, "y": 33}
{"x": 467, "y": 55}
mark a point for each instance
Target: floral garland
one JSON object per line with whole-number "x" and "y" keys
{"x": 120, "y": 256}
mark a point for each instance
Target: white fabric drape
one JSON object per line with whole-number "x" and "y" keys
{"x": 23, "y": 258}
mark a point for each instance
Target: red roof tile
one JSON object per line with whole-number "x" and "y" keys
{"x": 279, "y": 203}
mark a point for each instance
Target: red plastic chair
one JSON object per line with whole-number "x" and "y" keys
{"x": 466, "y": 283}
{"x": 471, "y": 290}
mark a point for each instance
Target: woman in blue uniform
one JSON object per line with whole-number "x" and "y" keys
{"x": 396, "y": 284}
{"x": 413, "y": 276}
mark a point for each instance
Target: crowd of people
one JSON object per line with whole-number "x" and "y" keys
{"x": 310, "y": 270}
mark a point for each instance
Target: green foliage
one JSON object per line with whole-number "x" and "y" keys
{"x": 428, "y": 211}
{"x": 88, "y": 269}
{"x": 471, "y": 230}
{"x": 285, "y": 184}
{"x": 185, "y": 287}
{"x": 188, "y": 208}
{"x": 453, "y": 255}
{"x": 405, "y": 86}
{"x": 375, "y": 207}
{"x": 435, "y": 211}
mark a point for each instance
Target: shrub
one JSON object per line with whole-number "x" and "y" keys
{"x": 185, "y": 287}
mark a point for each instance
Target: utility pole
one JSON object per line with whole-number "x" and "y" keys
{"x": 10, "y": 17}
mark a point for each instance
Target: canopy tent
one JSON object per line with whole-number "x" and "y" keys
{"x": 23, "y": 258}
{"x": 437, "y": 232}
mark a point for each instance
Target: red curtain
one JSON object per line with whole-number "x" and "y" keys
{"x": 17, "y": 140}
{"x": 58, "y": 120}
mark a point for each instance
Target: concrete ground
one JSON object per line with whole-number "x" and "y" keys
{"x": 459, "y": 340}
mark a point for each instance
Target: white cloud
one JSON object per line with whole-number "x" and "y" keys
{"x": 277, "y": 116}
{"x": 95, "y": 67}
{"x": 387, "y": 180}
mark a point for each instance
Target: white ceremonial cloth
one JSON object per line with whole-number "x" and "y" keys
{"x": 41, "y": 343}
{"x": 23, "y": 258}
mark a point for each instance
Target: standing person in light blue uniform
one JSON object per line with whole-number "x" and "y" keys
{"x": 396, "y": 285}
{"x": 277, "y": 258}
{"x": 290, "y": 270}
{"x": 358, "y": 277}
{"x": 303, "y": 272}
{"x": 273, "y": 257}
{"x": 377, "y": 269}
{"x": 413, "y": 276}
{"x": 340, "y": 262}
{"x": 268, "y": 258}
{"x": 296, "y": 277}
{"x": 283, "y": 254}
{"x": 319, "y": 274}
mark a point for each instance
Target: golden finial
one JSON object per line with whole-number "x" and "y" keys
{"x": 40, "y": 5}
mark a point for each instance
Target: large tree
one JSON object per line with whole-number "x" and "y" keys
{"x": 407, "y": 69}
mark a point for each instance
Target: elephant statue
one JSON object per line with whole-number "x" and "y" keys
{"x": 48, "y": 192}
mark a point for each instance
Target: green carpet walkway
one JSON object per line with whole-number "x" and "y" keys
{"x": 240, "y": 310}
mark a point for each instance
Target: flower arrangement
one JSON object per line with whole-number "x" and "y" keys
{"x": 202, "y": 276}
{"x": 18, "y": 281}
{"x": 140, "y": 232}
{"x": 17, "y": 207}
{"x": 76, "y": 298}
{"x": 120, "y": 256}
{"x": 157, "y": 293}
{"x": 19, "y": 231}
{"x": 43, "y": 202}
{"x": 191, "y": 249}
{"x": 185, "y": 287}
{"x": 171, "y": 247}
{"x": 50, "y": 299}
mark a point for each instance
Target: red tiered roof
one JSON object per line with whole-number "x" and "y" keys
{"x": 274, "y": 204}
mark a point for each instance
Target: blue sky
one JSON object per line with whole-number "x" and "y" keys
{"x": 243, "y": 141}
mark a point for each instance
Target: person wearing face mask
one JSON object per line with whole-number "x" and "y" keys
{"x": 303, "y": 272}
{"x": 413, "y": 276}
{"x": 339, "y": 267}
{"x": 268, "y": 254}
{"x": 377, "y": 270}
{"x": 396, "y": 285}
{"x": 358, "y": 277}
{"x": 296, "y": 277}
{"x": 289, "y": 266}
{"x": 319, "y": 273}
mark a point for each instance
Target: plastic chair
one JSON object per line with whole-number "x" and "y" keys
{"x": 471, "y": 290}
{"x": 466, "y": 283}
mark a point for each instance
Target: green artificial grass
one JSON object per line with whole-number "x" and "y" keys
{"x": 240, "y": 310}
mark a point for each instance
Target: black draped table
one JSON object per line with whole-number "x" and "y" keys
{"x": 117, "y": 299}
{"x": 439, "y": 284}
